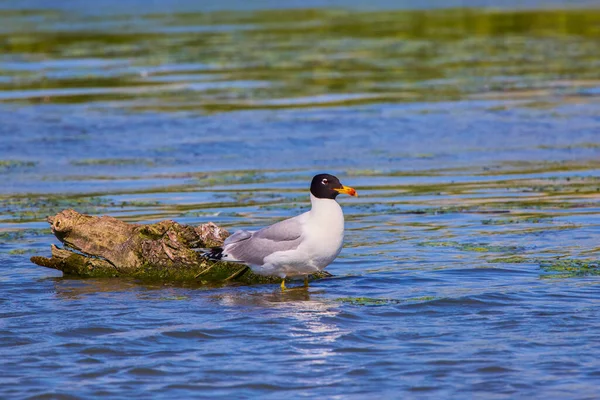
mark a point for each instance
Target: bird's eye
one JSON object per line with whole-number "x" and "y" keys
{"x": 324, "y": 181}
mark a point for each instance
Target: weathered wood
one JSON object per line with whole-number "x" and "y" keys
{"x": 108, "y": 247}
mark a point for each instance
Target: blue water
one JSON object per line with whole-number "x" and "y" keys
{"x": 470, "y": 266}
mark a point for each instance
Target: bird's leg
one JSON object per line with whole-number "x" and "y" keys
{"x": 306, "y": 281}
{"x": 283, "y": 285}
{"x": 238, "y": 273}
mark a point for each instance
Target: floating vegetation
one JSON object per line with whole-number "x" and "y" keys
{"x": 23, "y": 251}
{"x": 522, "y": 220}
{"x": 174, "y": 298}
{"x": 8, "y": 165}
{"x": 370, "y": 301}
{"x": 367, "y": 301}
{"x": 111, "y": 161}
{"x": 38, "y": 207}
{"x": 568, "y": 268}
{"x": 29, "y": 208}
{"x": 476, "y": 247}
{"x": 513, "y": 260}
{"x": 557, "y": 267}
{"x": 22, "y": 234}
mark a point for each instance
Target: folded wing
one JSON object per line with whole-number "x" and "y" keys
{"x": 253, "y": 247}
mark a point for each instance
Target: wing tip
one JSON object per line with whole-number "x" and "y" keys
{"x": 215, "y": 253}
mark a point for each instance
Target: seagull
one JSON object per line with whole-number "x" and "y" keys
{"x": 298, "y": 246}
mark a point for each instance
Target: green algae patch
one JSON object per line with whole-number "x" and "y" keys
{"x": 18, "y": 236}
{"x": 517, "y": 220}
{"x": 7, "y": 165}
{"x": 36, "y": 207}
{"x": 111, "y": 162}
{"x": 513, "y": 260}
{"x": 555, "y": 268}
{"x": 27, "y": 208}
{"x": 472, "y": 247}
{"x": 16, "y": 252}
{"x": 373, "y": 301}
{"x": 367, "y": 301}
{"x": 569, "y": 268}
{"x": 174, "y": 298}
{"x": 422, "y": 299}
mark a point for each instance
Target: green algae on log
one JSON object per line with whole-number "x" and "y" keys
{"x": 108, "y": 247}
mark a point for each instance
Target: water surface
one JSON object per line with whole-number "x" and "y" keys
{"x": 472, "y": 135}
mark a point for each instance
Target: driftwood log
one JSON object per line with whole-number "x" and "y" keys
{"x": 167, "y": 251}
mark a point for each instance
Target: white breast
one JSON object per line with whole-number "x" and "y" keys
{"x": 324, "y": 231}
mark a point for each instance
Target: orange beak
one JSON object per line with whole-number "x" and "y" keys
{"x": 347, "y": 190}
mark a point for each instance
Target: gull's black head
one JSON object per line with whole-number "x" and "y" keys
{"x": 325, "y": 186}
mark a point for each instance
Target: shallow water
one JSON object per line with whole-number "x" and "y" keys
{"x": 472, "y": 136}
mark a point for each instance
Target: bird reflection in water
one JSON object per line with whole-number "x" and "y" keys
{"x": 311, "y": 331}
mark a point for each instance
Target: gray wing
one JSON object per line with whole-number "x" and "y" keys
{"x": 238, "y": 236}
{"x": 286, "y": 230}
{"x": 253, "y": 247}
